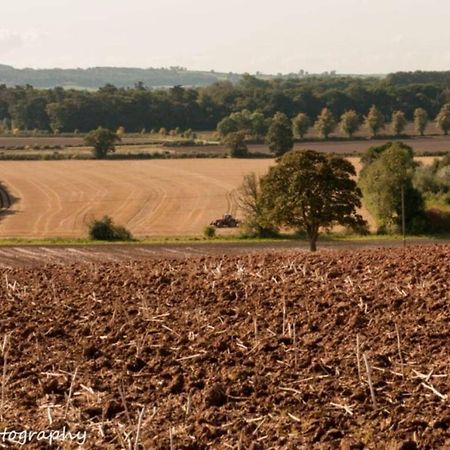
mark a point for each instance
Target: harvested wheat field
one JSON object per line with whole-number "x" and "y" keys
{"x": 151, "y": 198}
{"x": 177, "y": 197}
{"x": 335, "y": 350}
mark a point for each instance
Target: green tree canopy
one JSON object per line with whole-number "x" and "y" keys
{"x": 398, "y": 122}
{"x": 420, "y": 120}
{"x": 443, "y": 118}
{"x": 236, "y": 144}
{"x": 102, "y": 140}
{"x": 308, "y": 190}
{"x": 390, "y": 167}
{"x": 279, "y": 136}
{"x": 325, "y": 123}
{"x": 374, "y": 120}
{"x": 250, "y": 203}
{"x": 259, "y": 124}
{"x": 301, "y": 124}
{"x": 349, "y": 123}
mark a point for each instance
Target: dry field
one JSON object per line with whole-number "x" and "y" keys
{"x": 337, "y": 350}
{"x": 176, "y": 197}
{"x": 430, "y": 144}
{"x": 151, "y": 198}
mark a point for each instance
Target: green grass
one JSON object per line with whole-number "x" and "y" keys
{"x": 199, "y": 240}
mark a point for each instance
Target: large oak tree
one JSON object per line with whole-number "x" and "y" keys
{"x": 308, "y": 190}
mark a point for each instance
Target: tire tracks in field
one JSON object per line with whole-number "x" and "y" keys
{"x": 206, "y": 181}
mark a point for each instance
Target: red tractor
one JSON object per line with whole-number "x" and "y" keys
{"x": 227, "y": 221}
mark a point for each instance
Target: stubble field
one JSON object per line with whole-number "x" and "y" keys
{"x": 151, "y": 198}
{"x": 159, "y": 198}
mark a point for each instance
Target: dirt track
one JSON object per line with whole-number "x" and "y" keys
{"x": 252, "y": 352}
{"x": 35, "y": 256}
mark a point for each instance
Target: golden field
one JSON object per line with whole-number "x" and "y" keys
{"x": 150, "y": 198}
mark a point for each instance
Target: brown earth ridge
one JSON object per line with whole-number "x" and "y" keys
{"x": 251, "y": 351}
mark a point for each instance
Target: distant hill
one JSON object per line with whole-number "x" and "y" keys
{"x": 123, "y": 77}
{"x": 96, "y": 77}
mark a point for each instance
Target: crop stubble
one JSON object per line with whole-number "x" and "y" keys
{"x": 253, "y": 351}
{"x": 151, "y": 198}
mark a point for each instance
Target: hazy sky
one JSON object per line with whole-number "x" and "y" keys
{"x": 350, "y": 36}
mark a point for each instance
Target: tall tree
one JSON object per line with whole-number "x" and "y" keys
{"x": 102, "y": 140}
{"x": 420, "y": 120}
{"x": 390, "y": 168}
{"x": 236, "y": 144}
{"x": 279, "y": 136}
{"x": 349, "y": 123}
{"x": 398, "y": 122}
{"x": 301, "y": 124}
{"x": 258, "y": 124}
{"x": 374, "y": 120}
{"x": 325, "y": 123}
{"x": 308, "y": 190}
{"x": 443, "y": 118}
{"x": 250, "y": 203}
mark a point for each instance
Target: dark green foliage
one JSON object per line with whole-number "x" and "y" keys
{"x": 105, "y": 230}
{"x": 252, "y": 124}
{"x": 103, "y": 141}
{"x": 209, "y": 232}
{"x": 388, "y": 168}
{"x": 308, "y": 191}
{"x": 202, "y": 108}
{"x": 372, "y": 153}
{"x": 279, "y": 136}
{"x": 236, "y": 144}
{"x": 434, "y": 180}
{"x": 437, "y": 221}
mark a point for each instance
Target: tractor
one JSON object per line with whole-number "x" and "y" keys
{"x": 227, "y": 221}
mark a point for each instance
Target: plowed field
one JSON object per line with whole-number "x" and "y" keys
{"x": 336, "y": 350}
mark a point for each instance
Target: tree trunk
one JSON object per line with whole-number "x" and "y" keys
{"x": 313, "y": 234}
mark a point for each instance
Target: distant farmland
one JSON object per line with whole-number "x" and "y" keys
{"x": 151, "y": 198}
{"x": 159, "y": 198}
{"x": 74, "y": 145}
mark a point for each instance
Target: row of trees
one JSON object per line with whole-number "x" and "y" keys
{"x": 202, "y": 108}
{"x": 279, "y": 131}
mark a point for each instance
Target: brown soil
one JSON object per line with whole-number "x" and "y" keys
{"x": 253, "y": 351}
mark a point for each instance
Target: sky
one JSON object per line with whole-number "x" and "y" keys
{"x": 276, "y": 36}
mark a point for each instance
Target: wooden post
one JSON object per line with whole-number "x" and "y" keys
{"x": 403, "y": 216}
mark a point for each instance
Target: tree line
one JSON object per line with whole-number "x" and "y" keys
{"x": 202, "y": 108}
{"x": 309, "y": 192}
{"x": 279, "y": 132}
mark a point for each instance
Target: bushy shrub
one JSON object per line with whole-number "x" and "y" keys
{"x": 209, "y": 232}
{"x": 105, "y": 230}
{"x": 438, "y": 221}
